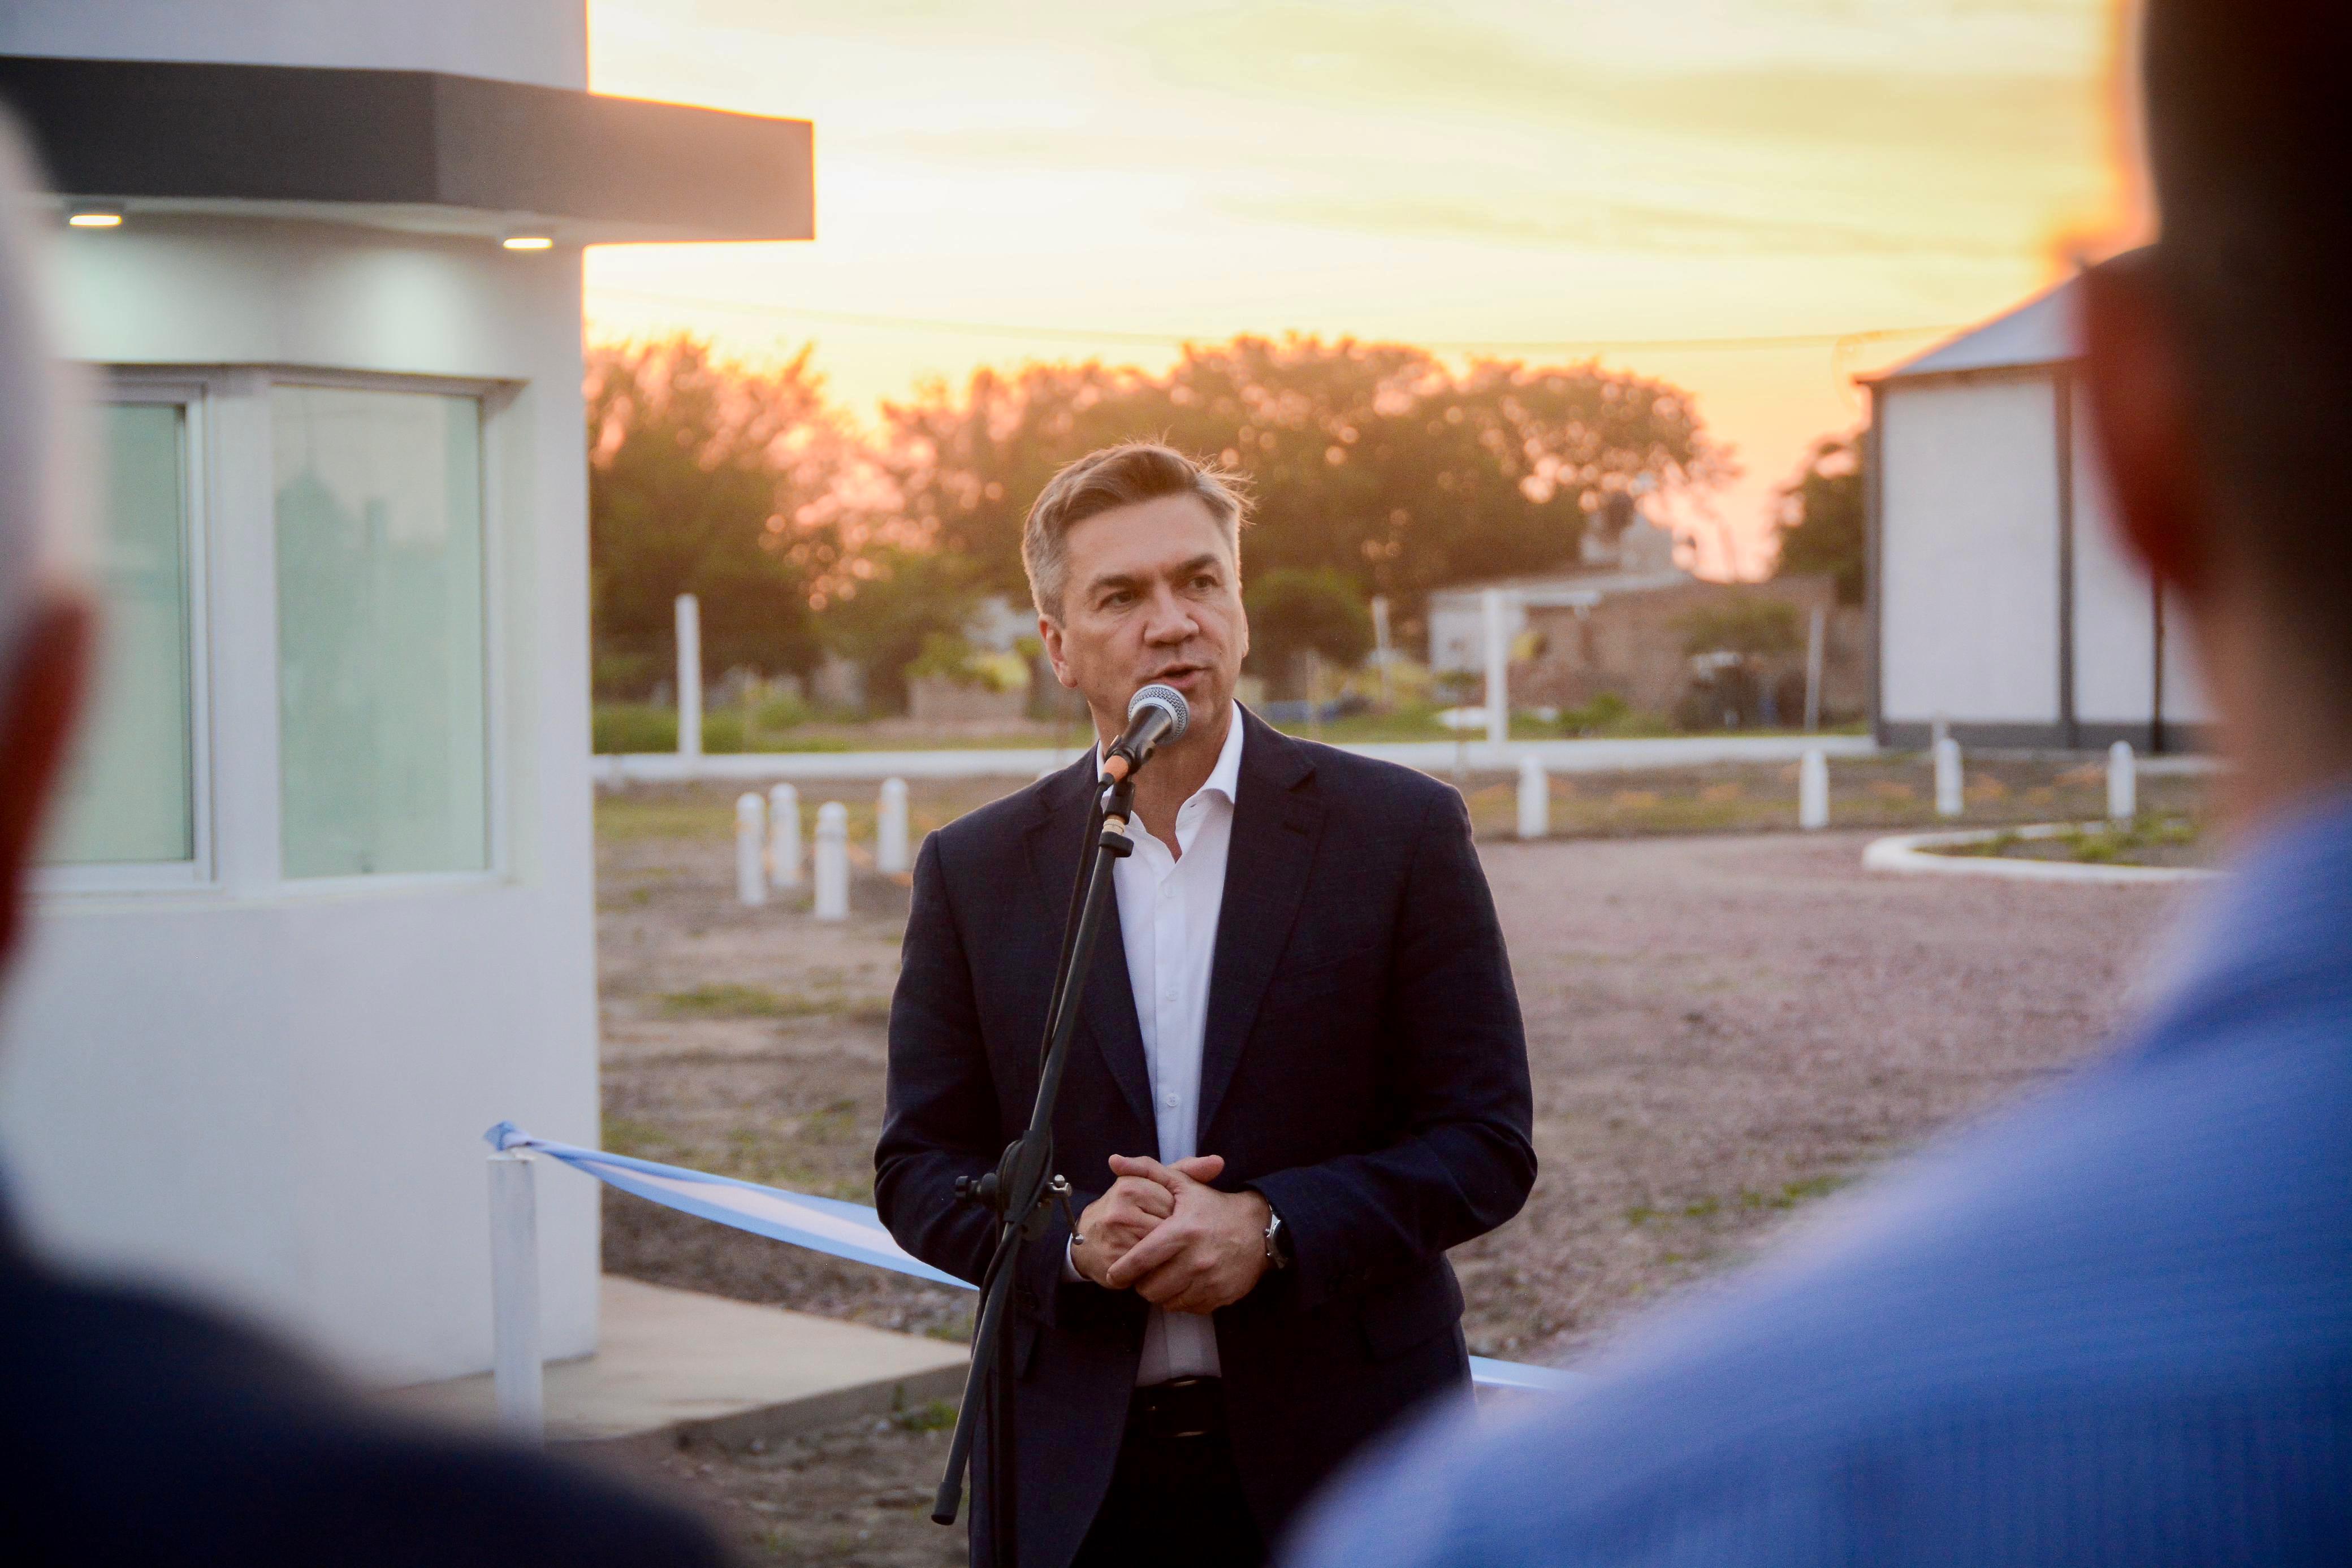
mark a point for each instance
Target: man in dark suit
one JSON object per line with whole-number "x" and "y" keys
{"x": 134, "y": 1429}
{"x": 1299, "y": 1076}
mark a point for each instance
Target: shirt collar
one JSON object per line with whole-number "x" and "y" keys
{"x": 1225, "y": 778}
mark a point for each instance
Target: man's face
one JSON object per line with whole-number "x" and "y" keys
{"x": 1152, "y": 595}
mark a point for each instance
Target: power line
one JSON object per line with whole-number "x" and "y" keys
{"x": 1171, "y": 341}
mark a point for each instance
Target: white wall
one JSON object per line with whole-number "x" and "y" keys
{"x": 542, "y": 41}
{"x": 2115, "y": 601}
{"x": 1968, "y": 584}
{"x": 276, "y": 1092}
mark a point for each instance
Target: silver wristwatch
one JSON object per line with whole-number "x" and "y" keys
{"x": 1275, "y": 1258}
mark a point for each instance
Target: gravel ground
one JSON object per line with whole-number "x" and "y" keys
{"x": 1721, "y": 1027}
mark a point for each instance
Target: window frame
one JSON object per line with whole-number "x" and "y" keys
{"x": 192, "y": 394}
{"x": 493, "y": 401}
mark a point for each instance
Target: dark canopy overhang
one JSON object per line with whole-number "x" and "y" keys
{"x": 414, "y": 150}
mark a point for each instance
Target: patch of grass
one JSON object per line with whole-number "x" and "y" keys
{"x": 938, "y": 1415}
{"x": 957, "y": 1329}
{"x": 1793, "y": 1193}
{"x": 638, "y": 1140}
{"x": 726, "y": 1000}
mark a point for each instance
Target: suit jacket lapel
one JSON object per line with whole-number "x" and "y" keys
{"x": 1276, "y": 824}
{"x": 1065, "y": 826}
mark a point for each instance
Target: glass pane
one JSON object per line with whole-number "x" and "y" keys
{"x": 380, "y": 637}
{"x": 129, "y": 798}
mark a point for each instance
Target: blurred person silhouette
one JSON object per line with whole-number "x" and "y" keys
{"x": 2112, "y": 1324}
{"x": 134, "y": 1428}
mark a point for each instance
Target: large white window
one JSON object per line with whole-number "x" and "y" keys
{"x": 131, "y": 801}
{"x": 382, "y": 647}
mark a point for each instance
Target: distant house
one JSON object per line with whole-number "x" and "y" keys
{"x": 2001, "y": 600}
{"x": 320, "y": 908}
{"x": 1624, "y": 626}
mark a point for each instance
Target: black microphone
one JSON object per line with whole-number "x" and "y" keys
{"x": 1156, "y": 715}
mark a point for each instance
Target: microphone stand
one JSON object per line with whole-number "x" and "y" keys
{"x": 1023, "y": 1189}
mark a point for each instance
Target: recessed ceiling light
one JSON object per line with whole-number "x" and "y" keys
{"x": 527, "y": 241}
{"x": 95, "y": 218}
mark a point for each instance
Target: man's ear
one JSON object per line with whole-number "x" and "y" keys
{"x": 37, "y": 707}
{"x": 1050, "y": 631}
{"x": 2137, "y": 379}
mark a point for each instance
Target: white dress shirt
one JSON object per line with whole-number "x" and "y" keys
{"x": 1168, "y": 910}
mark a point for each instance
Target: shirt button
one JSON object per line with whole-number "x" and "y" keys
{"x": 1169, "y": 1100}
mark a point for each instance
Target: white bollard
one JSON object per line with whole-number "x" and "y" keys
{"x": 1813, "y": 790}
{"x": 751, "y": 845}
{"x": 2123, "y": 783}
{"x": 517, "y": 1375}
{"x": 890, "y": 829}
{"x": 689, "y": 676}
{"x": 1498, "y": 668}
{"x": 833, "y": 861}
{"x": 1535, "y": 799}
{"x": 1948, "y": 795}
{"x": 783, "y": 836}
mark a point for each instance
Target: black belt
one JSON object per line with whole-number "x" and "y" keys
{"x": 1188, "y": 1407}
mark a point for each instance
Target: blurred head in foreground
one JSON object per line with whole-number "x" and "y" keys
{"x": 2112, "y": 1324}
{"x": 44, "y": 611}
{"x": 137, "y": 1428}
{"x": 2219, "y": 370}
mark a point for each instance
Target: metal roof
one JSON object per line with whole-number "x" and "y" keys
{"x": 2042, "y": 331}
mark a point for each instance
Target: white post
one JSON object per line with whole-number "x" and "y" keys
{"x": 689, "y": 676}
{"x": 1535, "y": 799}
{"x": 1498, "y": 668}
{"x": 1948, "y": 798}
{"x": 2123, "y": 783}
{"x": 1813, "y": 790}
{"x": 833, "y": 861}
{"x": 750, "y": 840}
{"x": 890, "y": 829}
{"x": 517, "y": 1376}
{"x": 1381, "y": 642}
{"x": 783, "y": 836}
{"x": 1813, "y": 654}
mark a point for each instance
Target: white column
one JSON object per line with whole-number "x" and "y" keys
{"x": 750, "y": 843}
{"x": 783, "y": 836}
{"x": 1813, "y": 790}
{"x": 2123, "y": 783}
{"x": 518, "y": 1375}
{"x": 833, "y": 861}
{"x": 1948, "y": 796}
{"x": 1535, "y": 799}
{"x": 689, "y": 676}
{"x": 1381, "y": 642}
{"x": 890, "y": 829}
{"x": 1498, "y": 667}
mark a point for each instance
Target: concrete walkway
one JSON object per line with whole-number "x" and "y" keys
{"x": 1430, "y": 756}
{"x": 680, "y": 1361}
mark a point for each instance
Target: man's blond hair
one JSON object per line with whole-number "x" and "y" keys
{"x": 1122, "y": 475}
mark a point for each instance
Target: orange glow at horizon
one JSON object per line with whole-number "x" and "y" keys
{"x": 994, "y": 186}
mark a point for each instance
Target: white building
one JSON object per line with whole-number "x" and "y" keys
{"x": 2002, "y": 598}
{"x": 321, "y": 907}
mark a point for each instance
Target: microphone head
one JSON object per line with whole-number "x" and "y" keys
{"x": 1168, "y": 700}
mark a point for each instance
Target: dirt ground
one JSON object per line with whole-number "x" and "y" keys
{"x": 1721, "y": 1027}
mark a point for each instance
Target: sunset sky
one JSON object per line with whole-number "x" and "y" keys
{"x": 1545, "y": 180}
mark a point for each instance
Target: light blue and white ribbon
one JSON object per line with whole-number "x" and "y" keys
{"x": 845, "y": 1230}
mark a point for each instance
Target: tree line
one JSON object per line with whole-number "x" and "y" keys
{"x": 1375, "y": 468}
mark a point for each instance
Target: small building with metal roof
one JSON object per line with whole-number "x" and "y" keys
{"x": 2002, "y": 599}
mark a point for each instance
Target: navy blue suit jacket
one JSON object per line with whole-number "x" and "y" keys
{"x": 2111, "y": 1326}
{"x": 134, "y": 1429}
{"x": 1363, "y": 1067}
